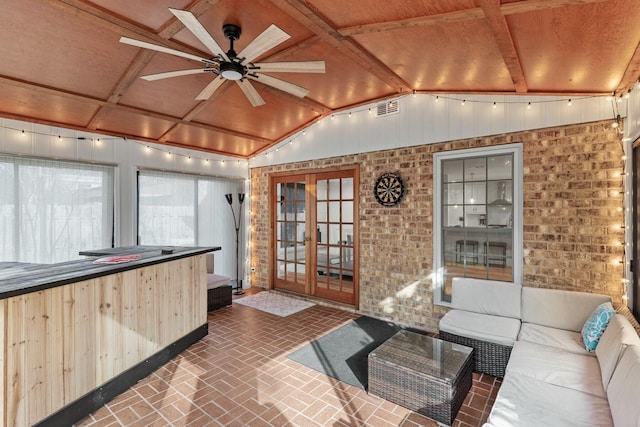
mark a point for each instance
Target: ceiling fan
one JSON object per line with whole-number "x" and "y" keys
{"x": 230, "y": 65}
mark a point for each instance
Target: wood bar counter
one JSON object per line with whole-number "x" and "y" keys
{"x": 74, "y": 335}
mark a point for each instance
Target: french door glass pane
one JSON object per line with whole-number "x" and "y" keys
{"x": 290, "y": 234}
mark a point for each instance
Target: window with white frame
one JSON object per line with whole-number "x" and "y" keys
{"x": 477, "y": 216}
{"x": 177, "y": 209}
{"x": 50, "y": 210}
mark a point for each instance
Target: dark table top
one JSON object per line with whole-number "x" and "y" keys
{"x": 23, "y": 278}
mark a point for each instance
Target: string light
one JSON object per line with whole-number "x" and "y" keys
{"x": 98, "y": 142}
{"x": 437, "y": 98}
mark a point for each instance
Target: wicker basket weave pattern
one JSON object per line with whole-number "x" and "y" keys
{"x": 490, "y": 358}
{"x": 218, "y": 297}
{"x": 426, "y": 375}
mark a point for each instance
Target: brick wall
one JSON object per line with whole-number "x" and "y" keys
{"x": 572, "y": 210}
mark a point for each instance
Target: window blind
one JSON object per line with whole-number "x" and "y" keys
{"x": 177, "y": 209}
{"x": 50, "y": 209}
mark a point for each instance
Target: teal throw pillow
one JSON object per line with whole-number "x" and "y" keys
{"x": 596, "y": 324}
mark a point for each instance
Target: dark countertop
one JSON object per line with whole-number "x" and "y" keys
{"x": 23, "y": 278}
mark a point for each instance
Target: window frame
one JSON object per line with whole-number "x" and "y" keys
{"x": 516, "y": 150}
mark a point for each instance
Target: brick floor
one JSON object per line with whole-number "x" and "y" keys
{"x": 239, "y": 375}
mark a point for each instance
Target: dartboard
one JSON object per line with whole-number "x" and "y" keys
{"x": 389, "y": 189}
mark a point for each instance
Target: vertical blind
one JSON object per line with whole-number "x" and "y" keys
{"x": 50, "y": 210}
{"x": 184, "y": 210}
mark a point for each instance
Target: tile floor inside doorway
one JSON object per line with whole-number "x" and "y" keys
{"x": 239, "y": 375}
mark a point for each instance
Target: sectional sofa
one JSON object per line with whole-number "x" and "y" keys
{"x": 532, "y": 338}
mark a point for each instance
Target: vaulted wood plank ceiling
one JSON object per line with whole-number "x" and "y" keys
{"x": 61, "y": 62}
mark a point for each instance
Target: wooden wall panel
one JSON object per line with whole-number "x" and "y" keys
{"x": 64, "y": 342}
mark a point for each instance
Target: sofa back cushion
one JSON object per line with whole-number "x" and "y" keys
{"x": 613, "y": 342}
{"x": 486, "y": 296}
{"x": 559, "y": 309}
{"x": 624, "y": 389}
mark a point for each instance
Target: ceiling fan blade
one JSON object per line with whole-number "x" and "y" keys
{"x": 250, "y": 92}
{"x": 296, "y": 90}
{"x": 210, "y": 89}
{"x": 291, "y": 67}
{"x": 138, "y": 43}
{"x": 191, "y": 22}
{"x": 269, "y": 38}
{"x": 159, "y": 76}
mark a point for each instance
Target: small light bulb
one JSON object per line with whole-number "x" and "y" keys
{"x": 464, "y": 101}
{"x": 495, "y": 105}
{"x": 437, "y": 99}
{"x": 528, "y": 106}
{"x": 569, "y": 103}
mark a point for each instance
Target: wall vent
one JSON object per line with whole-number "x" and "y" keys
{"x": 389, "y": 107}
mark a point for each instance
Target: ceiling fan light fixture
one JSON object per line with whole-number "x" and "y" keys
{"x": 232, "y": 70}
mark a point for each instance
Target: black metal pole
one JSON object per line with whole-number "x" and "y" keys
{"x": 236, "y": 223}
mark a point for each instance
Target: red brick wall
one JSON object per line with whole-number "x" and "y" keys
{"x": 572, "y": 207}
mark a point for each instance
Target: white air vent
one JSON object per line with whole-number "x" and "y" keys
{"x": 389, "y": 107}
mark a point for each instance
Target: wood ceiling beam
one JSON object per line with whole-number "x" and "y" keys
{"x": 97, "y": 16}
{"x": 631, "y": 74}
{"x": 170, "y": 29}
{"x": 537, "y": 5}
{"x": 302, "y": 12}
{"x": 439, "y": 18}
{"x": 123, "y": 108}
{"x": 459, "y": 16}
{"x": 500, "y": 30}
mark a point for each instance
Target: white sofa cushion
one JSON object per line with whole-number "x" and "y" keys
{"x": 559, "y": 309}
{"x": 486, "y": 296}
{"x": 623, "y": 389}
{"x": 216, "y": 280}
{"x": 556, "y": 366}
{"x": 615, "y": 339}
{"x": 484, "y": 327}
{"x": 524, "y": 401}
{"x": 566, "y": 340}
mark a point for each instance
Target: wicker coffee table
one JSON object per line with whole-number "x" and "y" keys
{"x": 424, "y": 374}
